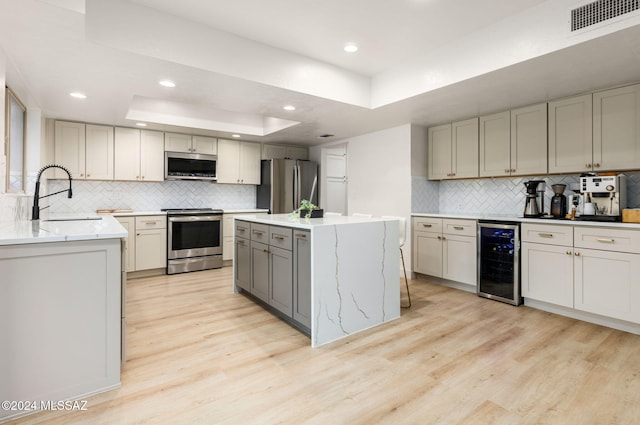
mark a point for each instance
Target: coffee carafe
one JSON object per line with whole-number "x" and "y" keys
{"x": 558, "y": 201}
{"x": 531, "y": 208}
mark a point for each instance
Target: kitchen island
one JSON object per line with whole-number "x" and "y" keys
{"x": 60, "y": 310}
{"x": 331, "y": 277}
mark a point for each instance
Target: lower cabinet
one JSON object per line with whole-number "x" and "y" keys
{"x": 273, "y": 263}
{"x": 147, "y": 242}
{"x": 446, "y": 248}
{"x": 227, "y": 234}
{"x": 561, "y": 266}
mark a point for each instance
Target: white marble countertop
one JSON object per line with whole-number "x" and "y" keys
{"x": 552, "y": 221}
{"x": 70, "y": 228}
{"x": 306, "y": 223}
{"x": 244, "y": 211}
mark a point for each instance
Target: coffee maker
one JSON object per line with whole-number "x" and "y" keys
{"x": 558, "y": 201}
{"x": 531, "y": 207}
{"x": 607, "y": 194}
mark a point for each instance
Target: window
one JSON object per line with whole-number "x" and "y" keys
{"x": 15, "y": 131}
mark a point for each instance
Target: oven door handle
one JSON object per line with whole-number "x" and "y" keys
{"x": 196, "y": 218}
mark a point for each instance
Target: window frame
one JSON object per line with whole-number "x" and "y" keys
{"x": 10, "y": 98}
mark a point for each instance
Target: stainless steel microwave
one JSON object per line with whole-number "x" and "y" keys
{"x": 189, "y": 166}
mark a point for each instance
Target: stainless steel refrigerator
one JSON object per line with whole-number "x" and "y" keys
{"x": 285, "y": 183}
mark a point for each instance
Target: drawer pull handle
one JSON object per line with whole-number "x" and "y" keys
{"x": 427, "y": 225}
{"x": 256, "y": 232}
{"x": 603, "y": 240}
{"x": 458, "y": 227}
{"x": 151, "y": 223}
{"x": 240, "y": 242}
{"x": 241, "y": 229}
{"x": 301, "y": 235}
{"x": 280, "y": 238}
{"x": 545, "y": 235}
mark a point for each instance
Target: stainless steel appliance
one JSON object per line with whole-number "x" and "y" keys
{"x": 285, "y": 183}
{"x": 531, "y": 207}
{"x": 605, "y": 196}
{"x": 558, "y": 201}
{"x": 499, "y": 261}
{"x": 189, "y": 166}
{"x": 194, "y": 239}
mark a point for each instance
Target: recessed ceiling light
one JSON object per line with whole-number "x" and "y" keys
{"x": 289, "y": 108}
{"x": 167, "y": 83}
{"x": 141, "y": 124}
{"x": 78, "y": 95}
{"x": 237, "y": 136}
{"x": 351, "y": 47}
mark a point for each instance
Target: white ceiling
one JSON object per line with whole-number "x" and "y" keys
{"x": 420, "y": 61}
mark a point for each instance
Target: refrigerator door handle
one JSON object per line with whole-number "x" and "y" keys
{"x": 294, "y": 192}
{"x": 299, "y": 185}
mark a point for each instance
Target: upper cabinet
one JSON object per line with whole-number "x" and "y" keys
{"x": 529, "y": 140}
{"x": 495, "y": 145}
{"x": 616, "y": 129}
{"x": 238, "y": 162}
{"x": 85, "y": 149}
{"x": 175, "y": 142}
{"x": 283, "y": 151}
{"x": 139, "y": 155}
{"x": 571, "y": 135}
{"x": 453, "y": 150}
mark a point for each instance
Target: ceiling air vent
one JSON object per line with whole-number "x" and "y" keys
{"x": 599, "y": 11}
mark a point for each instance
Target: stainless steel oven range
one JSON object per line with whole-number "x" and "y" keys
{"x": 194, "y": 239}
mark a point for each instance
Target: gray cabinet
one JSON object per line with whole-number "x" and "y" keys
{"x": 273, "y": 263}
{"x": 243, "y": 256}
{"x": 302, "y": 277}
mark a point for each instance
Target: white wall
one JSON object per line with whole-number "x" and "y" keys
{"x": 379, "y": 168}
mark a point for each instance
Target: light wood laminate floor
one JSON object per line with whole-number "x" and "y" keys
{"x": 199, "y": 354}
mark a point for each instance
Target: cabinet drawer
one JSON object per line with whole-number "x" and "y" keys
{"x": 547, "y": 234}
{"x": 243, "y": 229}
{"x": 459, "y": 227}
{"x": 427, "y": 224}
{"x": 151, "y": 222}
{"x": 280, "y": 237}
{"x": 607, "y": 239}
{"x": 260, "y": 233}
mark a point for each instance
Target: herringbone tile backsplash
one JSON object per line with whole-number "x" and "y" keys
{"x": 152, "y": 196}
{"x": 503, "y": 196}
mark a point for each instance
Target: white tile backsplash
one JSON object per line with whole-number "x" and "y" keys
{"x": 149, "y": 196}
{"x": 495, "y": 196}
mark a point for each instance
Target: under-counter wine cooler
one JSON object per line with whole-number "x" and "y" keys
{"x": 499, "y": 261}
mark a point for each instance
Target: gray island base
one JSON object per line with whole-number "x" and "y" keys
{"x": 332, "y": 276}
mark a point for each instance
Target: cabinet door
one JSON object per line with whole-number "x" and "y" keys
{"x": 281, "y": 280}
{"x": 607, "y": 283}
{"x": 227, "y": 167}
{"x": 460, "y": 258}
{"x": 495, "y": 145}
{"x": 204, "y": 145}
{"x": 570, "y": 135}
{"x": 151, "y": 156}
{"x": 174, "y": 142}
{"x": 151, "y": 249}
{"x": 427, "y": 249}
{"x": 260, "y": 270}
{"x": 69, "y": 149}
{"x": 126, "y": 154}
{"x": 295, "y": 152}
{"x": 302, "y": 277}
{"x": 273, "y": 151}
{"x": 464, "y": 149}
{"x": 439, "y": 146}
{"x": 547, "y": 273}
{"x": 250, "y": 163}
{"x": 242, "y": 264}
{"x": 227, "y": 237}
{"x": 99, "y": 152}
{"x": 129, "y": 242}
{"x": 529, "y": 140}
{"x": 616, "y": 129}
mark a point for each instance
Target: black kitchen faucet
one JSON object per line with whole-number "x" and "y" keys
{"x": 35, "y": 214}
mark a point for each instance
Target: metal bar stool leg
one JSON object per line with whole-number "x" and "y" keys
{"x": 406, "y": 281}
